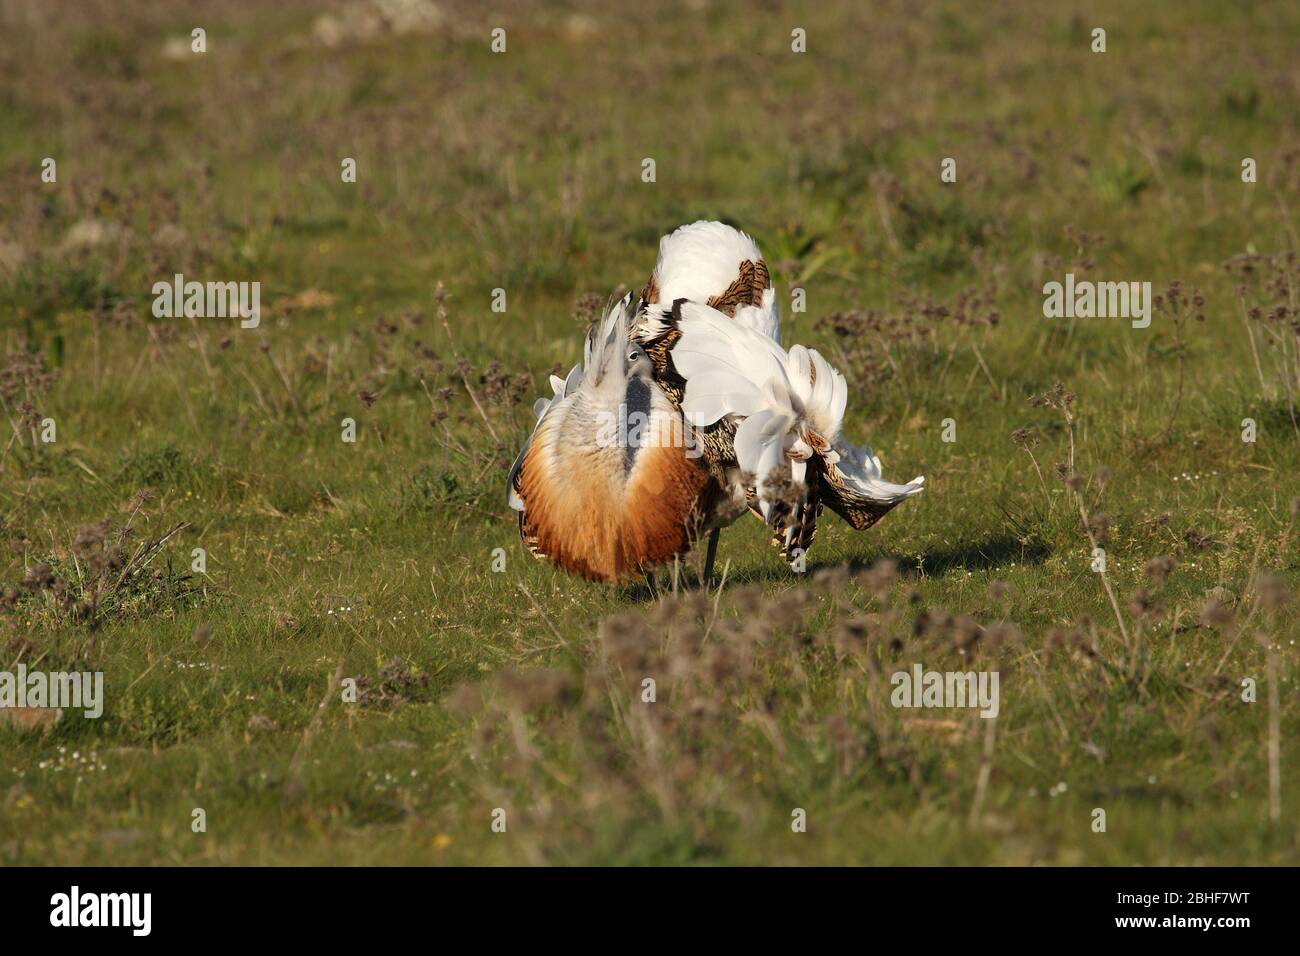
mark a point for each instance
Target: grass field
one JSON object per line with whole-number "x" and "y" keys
{"x": 520, "y": 689}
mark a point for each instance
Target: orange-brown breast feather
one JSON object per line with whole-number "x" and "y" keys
{"x": 562, "y": 520}
{"x": 664, "y": 507}
{"x": 579, "y": 514}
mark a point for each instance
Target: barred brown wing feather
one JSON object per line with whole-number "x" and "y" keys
{"x": 746, "y": 289}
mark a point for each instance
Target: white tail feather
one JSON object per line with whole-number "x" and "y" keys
{"x": 699, "y": 261}
{"x": 860, "y": 469}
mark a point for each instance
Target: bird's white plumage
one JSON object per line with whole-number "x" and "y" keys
{"x": 764, "y": 319}
{"x": 748, "y": 371}
{"x": 700, "y": 261}
{"x": 729, "y": 360}
{"x": 860, "y": 469}
{"x": 788, "y": 405}
{"x": 601, "y": 353}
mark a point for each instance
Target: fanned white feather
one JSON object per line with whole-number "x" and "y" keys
{"x": 860, "y": 469}
{"x": 700, "y": 260}
{"x": 764, "y": 319}
{"x": 783, "y": 400}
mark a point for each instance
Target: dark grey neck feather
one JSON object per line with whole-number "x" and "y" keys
{"x": 636, "y": 400}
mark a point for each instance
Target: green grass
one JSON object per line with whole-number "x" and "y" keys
{"x": 521, "y": 689}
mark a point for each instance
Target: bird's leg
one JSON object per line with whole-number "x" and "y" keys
{"x": 652, "y": 585}
{"x": 710, "y": 554}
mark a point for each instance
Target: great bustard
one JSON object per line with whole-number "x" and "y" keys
{"x": 686, "y": 413}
